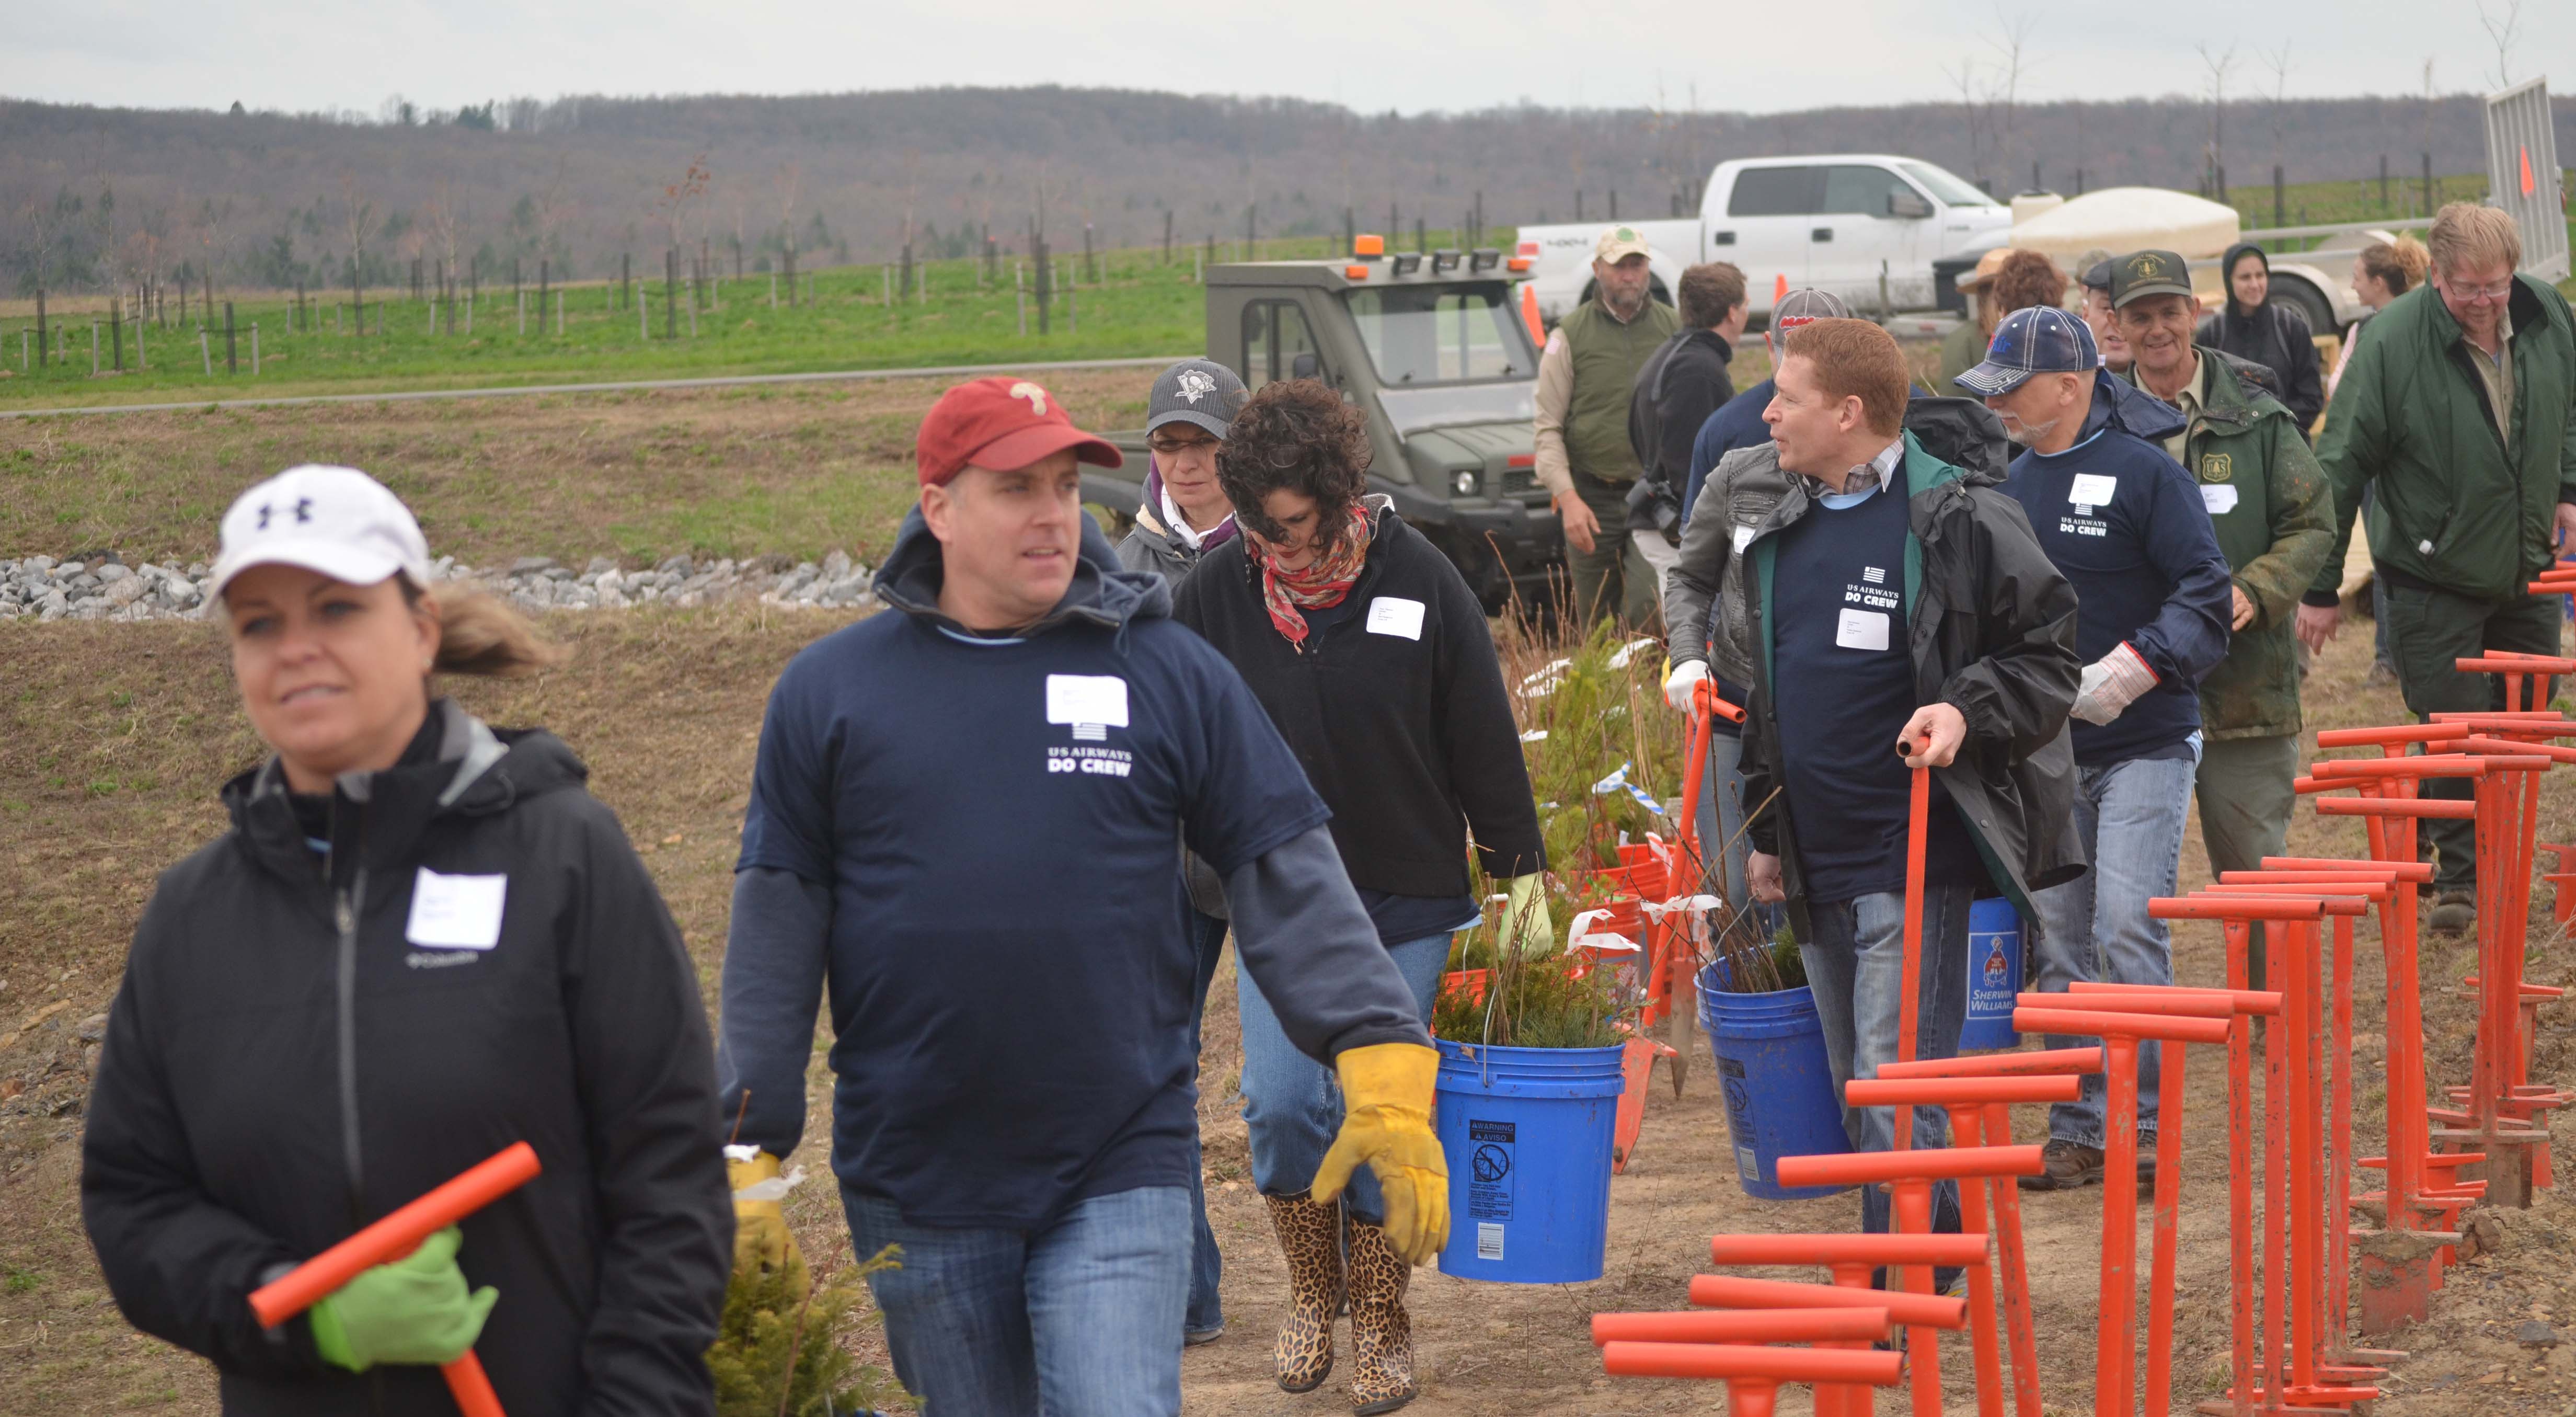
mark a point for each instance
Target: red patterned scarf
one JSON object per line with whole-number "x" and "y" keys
{"x": 1320, "y": 585}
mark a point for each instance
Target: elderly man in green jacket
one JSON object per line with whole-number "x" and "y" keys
{"x": 2461, "y": 407}
{"x": 2267, "y": 501}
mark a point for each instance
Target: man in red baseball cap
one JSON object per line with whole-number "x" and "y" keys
{"x": 962, "y": 817}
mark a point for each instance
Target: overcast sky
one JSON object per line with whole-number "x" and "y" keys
{"x": 301, "y": 55}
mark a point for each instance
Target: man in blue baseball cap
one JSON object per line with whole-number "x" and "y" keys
{"x": 2125, "y": 524}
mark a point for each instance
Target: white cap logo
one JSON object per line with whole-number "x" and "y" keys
{"x": 1035, "y": 395}
{"x": 333, "y": 520}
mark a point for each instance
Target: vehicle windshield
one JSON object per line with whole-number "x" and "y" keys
{"x": 1441, "y": 334}
{"x": 1419, "y": 409}
{"x": 1947, "y": 186}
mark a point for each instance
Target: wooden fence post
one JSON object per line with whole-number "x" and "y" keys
{"x": 205, "y": 352}
{"x": 41, "y": 352}
{"x": 116, "y": 330}
{"x": 254, "y": 349}
{"x": 232, "y": 363}
{"x": 670, "y": 292}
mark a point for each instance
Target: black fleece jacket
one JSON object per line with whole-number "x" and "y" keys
{"x": 1397, "y": 712}
{"x": 283, "y": 1066}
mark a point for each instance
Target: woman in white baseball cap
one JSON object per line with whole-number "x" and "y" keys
{"x": 420, "y": 942}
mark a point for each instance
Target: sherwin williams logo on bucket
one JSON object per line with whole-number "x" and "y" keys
{"x": 1995, "y": 956}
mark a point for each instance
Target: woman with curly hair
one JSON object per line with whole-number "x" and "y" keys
{"x": 1374, "y": 660}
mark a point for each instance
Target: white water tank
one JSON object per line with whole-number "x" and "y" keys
{"x": 2026, "y": 205}
{"x": 2118, "y": 219}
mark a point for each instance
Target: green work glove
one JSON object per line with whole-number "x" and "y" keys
{"x": 1528, "y": 932}
{"x": 414, "y": 1310}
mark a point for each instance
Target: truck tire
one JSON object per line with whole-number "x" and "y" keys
{"x": 2310, "y": 301}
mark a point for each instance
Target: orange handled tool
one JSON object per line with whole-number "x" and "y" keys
{"x": 392, "y": 1238}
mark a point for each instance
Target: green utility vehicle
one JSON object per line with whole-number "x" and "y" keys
{"x": 1431, "y": 349}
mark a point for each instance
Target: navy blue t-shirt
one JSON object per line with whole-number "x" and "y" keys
{"x": 2126, "y": 525}
{"x": 886, "y": 746}
{"x": 1842, "y": 684}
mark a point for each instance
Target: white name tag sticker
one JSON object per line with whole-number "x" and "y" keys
{"x": 456, "y": 912}
{"x": 2092, "y": 489}
{"x": 1394, "y": 615}
{"x": 1087, "y": 698}
{"x": 2218, "y": 497}
{"x": 1743, "y": 538}
{"x": 1862, "y": 629}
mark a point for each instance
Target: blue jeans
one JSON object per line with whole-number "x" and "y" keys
{"x": 1081, "y": 1318}
{"x": 1207, "y": 1267}
{"x": 1723, "y": 843}
{"x": 2095, "y": 927}
{"x": 1856, "y": 966}
{"x": 1293, "y": 1104}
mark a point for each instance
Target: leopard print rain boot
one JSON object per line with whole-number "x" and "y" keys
{"x": 1310, "y": 1236}
{"x": 1381, "y": 1332}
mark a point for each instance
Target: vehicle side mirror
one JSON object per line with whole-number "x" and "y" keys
{"x": 1908, "y": 206}
{"x": 1305, "y": 366}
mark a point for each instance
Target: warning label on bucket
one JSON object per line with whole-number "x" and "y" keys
{"x": 1489, "y": 1178}
{"x": 1739, "y": 1117}
{"x": 1489, "y": 1241}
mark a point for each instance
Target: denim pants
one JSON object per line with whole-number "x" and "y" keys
{"x": 1207, "y": 1267}
{"x": 1293, "y": 1104}
{"x": 2095, "y": 927}
{"x": 1080, "y": 1318}
{"x": 1856, "y": 966}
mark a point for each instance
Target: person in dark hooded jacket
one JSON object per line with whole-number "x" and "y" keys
{"x": 2127, "y": 526}
{"x": 1901, "y": 616}
{"x": 420, "y": 942}
{"x": 2272, "y": 333}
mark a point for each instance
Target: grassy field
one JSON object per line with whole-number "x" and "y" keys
{"x": 795, "y": 470}
{"x": 1137, "y": 306}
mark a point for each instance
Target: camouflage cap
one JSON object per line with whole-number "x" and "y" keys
{"x": 1616, "y": 243}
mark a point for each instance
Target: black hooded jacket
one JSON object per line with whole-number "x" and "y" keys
{"x": 284, "y": 1065}
{"x": 2275, "y": 335}
{"x": 1991, "y": 628}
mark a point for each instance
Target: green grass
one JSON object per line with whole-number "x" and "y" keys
{"x": 1138, "y": 306}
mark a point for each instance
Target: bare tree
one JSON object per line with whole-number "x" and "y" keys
{"x": 2502, "y": 32}
{"x": 679, "y": 200}
{"x": 440, "y": 216}
{"x": 358, "y": 220}
{"x": 554, "y": 204}
{"x": 212, "y": 217}
{"x": 2278, "y": 61}
{"x": 1976, "y": 110}
{"x": 2011, "y": 43}
{"x": 2219, "y": 65}
{"x": 789, "y": 183}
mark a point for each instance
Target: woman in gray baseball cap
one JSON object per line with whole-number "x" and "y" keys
{"x": 1183, "y": 513}
{"x": 1182, "y": 516}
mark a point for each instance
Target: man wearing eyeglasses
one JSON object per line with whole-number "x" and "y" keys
{"x": 2458, "y": 407}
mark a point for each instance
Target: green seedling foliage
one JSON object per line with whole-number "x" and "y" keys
{"x": 760, "y": 1332}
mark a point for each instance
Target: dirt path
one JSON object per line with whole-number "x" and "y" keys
{"x": 113, "y": 737}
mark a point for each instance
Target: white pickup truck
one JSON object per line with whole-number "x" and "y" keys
{"x": 1866, "y": 226}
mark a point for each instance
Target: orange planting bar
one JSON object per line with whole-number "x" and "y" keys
{"x": 2499, "y": 750}
{"x": 2400, "y": 870}
{"x": 1998, "y": 1065}
{"x": 2438, "y": 765}
{"x": 2243, "y": 1001}
{"x": 2513, "y": 721}
{"x": 2081, "y": 1023}
{"x": 1847, "y": 1249}
{"x": 2193, "y": 907}
{"x": 1707, "y": 696}
{"x": 394, "y": 1236}
{"x": 1726, "y": 1291}
{"x": 2490, "y": 664}
{"x": 1855, "y": 1168}
{"x": 2395, "y": 733}
{"x": 2336, "y": 902}
{"x": 1727, "y": 1360}
{"x": 2312, "y": 882}
{"x": 2443, "y": 807}
{"x": 1960, "y": 1092}
{"x": 2136, "y": 999}
{"x": 1742, "y": 1326}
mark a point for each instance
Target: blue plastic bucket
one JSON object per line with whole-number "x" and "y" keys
{"x": 1994, "y": 975}
{"x": 1778, "y": 1082}
{"x": 1528, "y": 1133}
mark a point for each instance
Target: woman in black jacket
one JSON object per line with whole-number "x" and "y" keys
{"x": 420, "y": 942}
{"x": 1375, "y": 663}
{"x": 2272, "y": 333}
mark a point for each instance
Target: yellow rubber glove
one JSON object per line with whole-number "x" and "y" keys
{"x": 761, "y": 1239}
{"x": 1528, "y": 931}
{"x": 1386, "y": 1122}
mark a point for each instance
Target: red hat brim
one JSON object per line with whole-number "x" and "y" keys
{"x": 1017, "y": 450}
